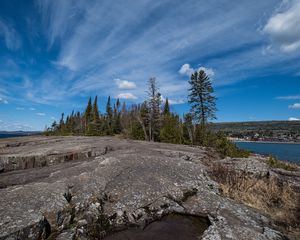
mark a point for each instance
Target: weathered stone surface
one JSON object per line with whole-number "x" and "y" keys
{"x": 120, "y": 184}
{"x": 257, "y": 165}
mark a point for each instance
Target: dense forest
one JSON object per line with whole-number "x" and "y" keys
{"x": 153, "y": 120}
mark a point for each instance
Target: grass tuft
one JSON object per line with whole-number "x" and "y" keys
{"x": 266, "y": 193}
{"x": 274, "y": 163}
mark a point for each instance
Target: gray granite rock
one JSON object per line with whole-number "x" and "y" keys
{"x": 122, "y": 183}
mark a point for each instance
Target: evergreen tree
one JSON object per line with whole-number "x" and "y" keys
{"x": 118, "y": 104}
{"x": 62, "y": 127}
{"x": 78, "y": 124}
{"x": 109, "y": 112}
{"x": 95, "y": 124}
{"x": 171, "y": 131}
{"x": 96, "y": 117}
{"x": 54, "y": 126}
{"x": 107, "y": 126}
{"x": 88, "y": 116}
{"x": 203, "y": 103}
{"x": 166, "y": 110}
{"x": 116, "y": 125}
{"x": 154, "y": 102}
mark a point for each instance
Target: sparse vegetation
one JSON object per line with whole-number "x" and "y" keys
{"x": 275, "y": 163}
{"x": 266, "y": 193}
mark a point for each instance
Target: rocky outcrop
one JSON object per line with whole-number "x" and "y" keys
{"x": 41, "y": 152}
{"x": 126, "y": 186}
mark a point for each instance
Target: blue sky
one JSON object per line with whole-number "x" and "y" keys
{"x": 55, "y": 54}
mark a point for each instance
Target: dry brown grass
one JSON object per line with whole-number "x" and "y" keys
{"x": 269, "y": 194}
{"x": 274, "y": 163}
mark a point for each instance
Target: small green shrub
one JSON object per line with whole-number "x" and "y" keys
{"x": 228, "y": 148}
{"x": 217, "y": 140}
{"x": 275, "y": 163}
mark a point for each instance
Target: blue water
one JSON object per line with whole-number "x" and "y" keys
{"x": 10, "y": 135}
{"x": 283, "y": 151}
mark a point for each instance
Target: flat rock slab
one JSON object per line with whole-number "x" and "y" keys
{"x": 120, "y": 184}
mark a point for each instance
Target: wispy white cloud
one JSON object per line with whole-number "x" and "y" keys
{"x": 15, "y": 126}
{"x": 284, "y": 26}
{"x": 41, "y": 114}
{"x": 102, "y": 40}
{"x": 295, "y": 106}
{"x": 176, "y": 101}
{"x": 20, "y": 108}
{"x": 128, "y": 96}
{"x": 293, "y": 119}
{"x": 173, "y": 101}
{"x": 124, "y": 84}
{"x": 59, "y": 17}
{"x": 292, "y": 97}
{"x": 186, "y": 69}
{"x": 11, "y": 37}
{"x": 4, "y": 101}
{"x": 95, "y": 50}
{"x": 32, "y": 109}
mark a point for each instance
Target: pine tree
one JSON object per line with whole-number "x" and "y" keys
{"x": 171, "y": 130}
{"x": 95, "y": 125}
{"x": 118, "y": 104}
{"x": 88, "y": 115}
{"x": 96, "y": 117}
{"x": 107, "y": 127}
{"x": 108, "y": 108}
{"x": 62, "y": 127}
{"x": 166, "y": 110}
{"x": 203, "y": 103}
{"x": 154, "y": 102}
{"x": 116, "y": 125}
{"x": 79, "y": 124}
{"x": 54, "y": 127}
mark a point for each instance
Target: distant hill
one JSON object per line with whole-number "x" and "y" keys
{"x": 261, "y": 130}
{"x": 259, "y": 125}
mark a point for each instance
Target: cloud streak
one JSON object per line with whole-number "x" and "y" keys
{"x": 284, "y": 26}
{"x": 4, "y": 101}
{"x": 293, "y": 119}
{"x": 124, "y": 84}
{"x": 128, "y": 96}
{"x": 11, "y": 37}
{"x": 292, "y": 97}
{"x": 186, "y": 69}
{"x": 152, "y": 42}
{"x": 295, "y": 106}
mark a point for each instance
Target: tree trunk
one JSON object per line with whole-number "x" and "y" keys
{"x": 143, "y": 127}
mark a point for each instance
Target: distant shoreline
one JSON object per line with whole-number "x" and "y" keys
{"x": 249, "y": 141}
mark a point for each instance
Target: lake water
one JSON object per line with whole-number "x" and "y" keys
{"x": 10, "y": 135}
{"x": 282, "y": 151}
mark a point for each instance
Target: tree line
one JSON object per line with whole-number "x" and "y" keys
{"x": 152, "y": 120}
